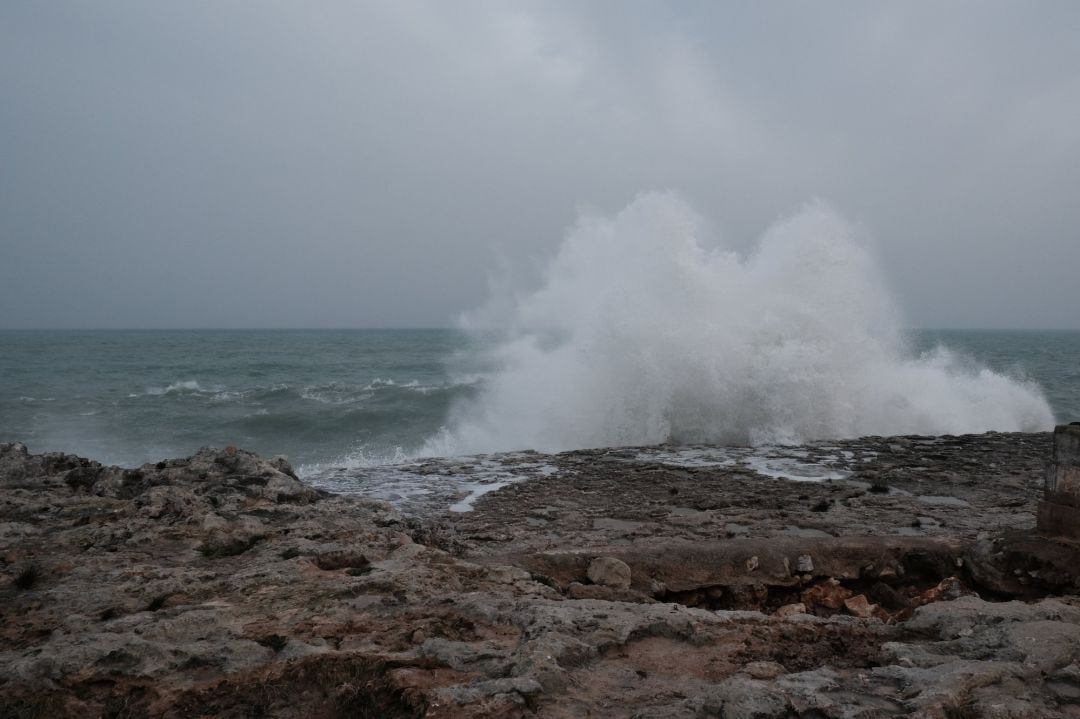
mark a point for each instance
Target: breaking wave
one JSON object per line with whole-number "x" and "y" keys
{"x": 186, "y": 386}
{"x": 640, "y": 334}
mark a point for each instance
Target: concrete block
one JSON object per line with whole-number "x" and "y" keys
{"x": 1059, "y": 512}
{"x": 1059, "y": 520}
{"x": 1063, "y": 474}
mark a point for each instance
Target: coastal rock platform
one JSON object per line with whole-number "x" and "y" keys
{"x": 620, "y": 584}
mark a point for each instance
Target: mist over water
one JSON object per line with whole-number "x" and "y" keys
{"x": 641, "y": 334}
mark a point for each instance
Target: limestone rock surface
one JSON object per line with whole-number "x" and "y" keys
{"x": 221, "y": 585}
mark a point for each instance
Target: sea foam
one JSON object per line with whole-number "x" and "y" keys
{"x": 640, "y": 334}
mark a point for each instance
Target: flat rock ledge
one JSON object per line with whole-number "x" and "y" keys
{"x": 222, "y": 586}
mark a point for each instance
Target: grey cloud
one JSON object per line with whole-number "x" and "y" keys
{"x": 343, "y": 164}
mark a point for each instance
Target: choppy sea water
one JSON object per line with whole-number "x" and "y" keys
{"x": 357, "y": 411}
{"x": 129, "y": 397}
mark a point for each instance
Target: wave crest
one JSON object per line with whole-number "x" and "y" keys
{"x": 639, "y": 334}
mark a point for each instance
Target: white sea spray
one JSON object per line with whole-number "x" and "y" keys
{"x": 640, "y": 334}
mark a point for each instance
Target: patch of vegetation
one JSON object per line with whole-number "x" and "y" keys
{"x": 130, "y": 704}
{"x": 435, "y": 534}
{"x": 963, "y": 709}
{"x": 158, "y": 602}
{"x": 345, "y": 559}
{"x": 228, "y": 548}
{"x": 27, "y": 577}
{"x": 200, "y": 662}
{"x": 274, "y": 641}
{"x": 32, "y": 708}
{"x": 275, "y": 516}
{"x": 545, "y": 579}
{"x": 330, "y": 686}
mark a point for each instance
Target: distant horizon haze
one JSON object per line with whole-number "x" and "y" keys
{"x": 443, "y": 328}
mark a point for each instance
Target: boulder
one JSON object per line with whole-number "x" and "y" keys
{"x": 610, "y": 572}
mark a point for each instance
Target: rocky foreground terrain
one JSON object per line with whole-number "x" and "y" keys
{"x": 617, "y": 585}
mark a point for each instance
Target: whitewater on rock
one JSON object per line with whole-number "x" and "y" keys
{"x": 642, "y": 332}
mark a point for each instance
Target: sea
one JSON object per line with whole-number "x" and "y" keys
{"x": 361, "y": 410}
{"x": 318, "y": 396}
{"x": 643, "y": 331}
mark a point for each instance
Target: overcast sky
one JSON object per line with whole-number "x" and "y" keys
{"x": 364, "y": 164}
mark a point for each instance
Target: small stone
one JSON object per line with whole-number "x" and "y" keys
{"x": 281, "y": 463}
{"x": 881, "y": 614}
{"x": 577, "y": 590}
{"x": 610, "y": 572}
{"x": 859, "y": 606}
{"x": 764, "y": 670}
{"x": 887, "y": 597}
{"x": 752, "y": 563}
{"x": 951, "y": 588}
{"x": 505, "y": 574}
{"x": 830, "y": 594}
{"x": 790, "y": 609}
{"x": 804, "y": 564}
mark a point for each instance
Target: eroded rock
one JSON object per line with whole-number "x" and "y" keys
{"x": 222, "y": 585}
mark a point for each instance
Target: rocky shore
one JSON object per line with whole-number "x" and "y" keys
{"x": 616, "y": 585}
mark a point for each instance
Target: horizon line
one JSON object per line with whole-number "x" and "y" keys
{"x": 378, "y": 328}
